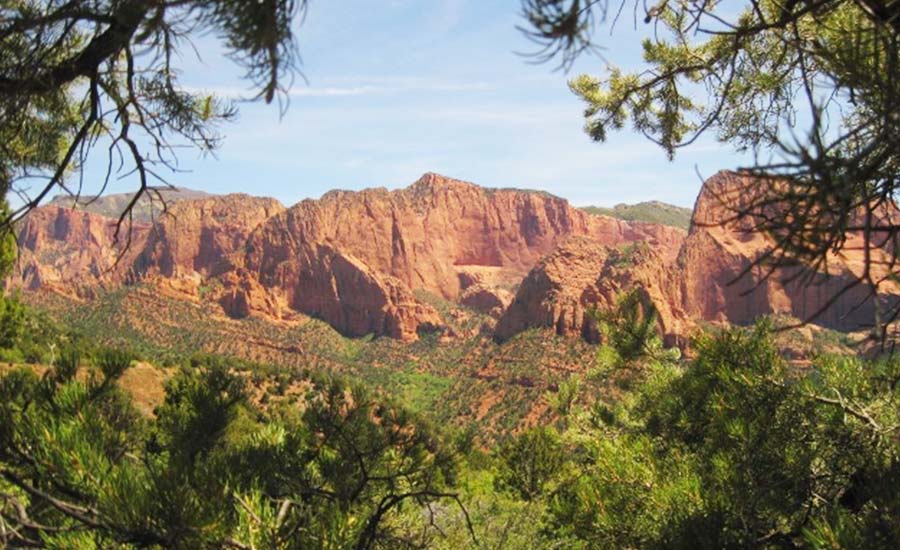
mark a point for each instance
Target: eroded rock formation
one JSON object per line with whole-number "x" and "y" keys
{"x": 722, "y": 281}
{"x": 361, "y": 260}
{"x": 438, "y": 235}
{"x": 70, "y": 251}
{"x": 201, "y": 236}
{"x": 582, "y": 274}
{"x": 486, "y": 299}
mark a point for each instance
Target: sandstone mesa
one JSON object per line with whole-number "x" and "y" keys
{"x": 358, "y": 260}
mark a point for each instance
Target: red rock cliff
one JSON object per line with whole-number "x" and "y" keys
{"x": 582, "y": 273}
{"x": 428, "y": 233}
{"x": 201, "y": 236}
{"x": 70, "y": 250}
{"x": 429, "y": 236}
{"x": 720, "y": 282}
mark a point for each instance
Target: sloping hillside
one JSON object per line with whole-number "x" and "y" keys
{"x": 650, "y": 211}
{"x": 148, "y": 207}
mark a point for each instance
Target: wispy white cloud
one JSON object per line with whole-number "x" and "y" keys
{"x": 386, "y": 87}
{"x": 401, "y": 87}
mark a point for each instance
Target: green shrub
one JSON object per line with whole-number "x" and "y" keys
{"x": 528, "y": 463}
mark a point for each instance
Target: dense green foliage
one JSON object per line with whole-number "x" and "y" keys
{"x": 736, "y": 451}
{"x": 82, "y": 469}
{"x": 12, "y": 322}
{"x": 15, "y": 335}
{"x": 528, "y": 462}
{"x": 10, "y": 312}
{"x": 7, "y": 241}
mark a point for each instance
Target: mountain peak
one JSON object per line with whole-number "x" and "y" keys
{"x": 433, "y": 180}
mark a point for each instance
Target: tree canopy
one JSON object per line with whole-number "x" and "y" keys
{"x": 80, "y": 467}
{"x": 78, "y": 74}
{"x": 809, "y": 87}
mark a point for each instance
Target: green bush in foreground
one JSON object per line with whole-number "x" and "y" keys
{"x": 80, "y": 468}
{"x": 735, "y": 451}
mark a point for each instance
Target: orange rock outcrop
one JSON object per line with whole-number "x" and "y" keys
{"x": 201, "y": 236}
{"x": 70, "y": 251}
{"x": 715, "y": 276}
{"x": 721, "y": 281}
{"x": 358, "y": 259}
{"x": 373, "y": 247}
{"x": 582, "y": 274}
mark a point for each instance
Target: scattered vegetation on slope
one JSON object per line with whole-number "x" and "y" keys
{"x": 735, "y": 448}
{"x": 470, "y": 380}
{"x": 148, "y": 207}
{"x": 651, "y": 212}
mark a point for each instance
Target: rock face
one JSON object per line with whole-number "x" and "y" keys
{"x": 68, "y": 250}
{"x": 428, "y": 233}
{"x": 324, "y": 282}
{"x": 714, "y": 277}
{"x": 243, "y": 296}
{"x": 720, "y": 282}
{"x": 485, "y": 299}
{"x": 201, "y": 236}
{"x": 352, "y": 259}
{"x": 195, "y": 240}
{"x": 437, "y": 235}
{"x": 581, "y": 274}
{"x": 357, "y": 259}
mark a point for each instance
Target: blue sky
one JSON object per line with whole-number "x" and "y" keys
{"x": 397, "y": 88}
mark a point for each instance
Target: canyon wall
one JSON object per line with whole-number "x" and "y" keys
{"x": 361, "y": 260}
